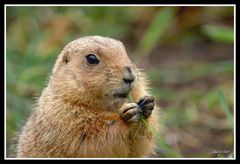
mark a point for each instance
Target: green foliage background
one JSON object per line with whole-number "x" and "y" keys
{"x": 187, "y": 53}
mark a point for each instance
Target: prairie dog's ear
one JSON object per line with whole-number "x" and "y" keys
{"x": 62, "y": 59}
{"x": 65, "y": 56}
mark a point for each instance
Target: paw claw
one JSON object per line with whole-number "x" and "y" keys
{"x": 126, "y": 107}
{"x": 135, "y": 118}
{"x": 146, "y": 103}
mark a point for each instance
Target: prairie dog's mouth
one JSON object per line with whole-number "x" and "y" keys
{"x": 121, "y": 95}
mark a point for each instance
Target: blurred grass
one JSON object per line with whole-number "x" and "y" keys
{"x": 194, "y": 91}
{"x": 219, "y": 33}
{"x": 190, "y": 71}
{"x": 155, "y": 31}
{"x": 167, "y": 150}
{"x": 225, "y": 109}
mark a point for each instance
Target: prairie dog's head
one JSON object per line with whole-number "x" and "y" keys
{"x": 94, "y": 70}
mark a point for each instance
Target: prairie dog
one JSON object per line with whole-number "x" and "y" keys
{"x": 84, "y": 110}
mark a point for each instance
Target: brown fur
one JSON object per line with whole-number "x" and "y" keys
{"x": 76, "y": 116}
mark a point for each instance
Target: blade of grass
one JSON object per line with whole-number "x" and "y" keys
{"x": 155, "y": 31}
{"x": 225, "y": 108}
{"x": 166, "y": 149}
{"x": 130, "y": 98}
{"x": 219, "y": 33}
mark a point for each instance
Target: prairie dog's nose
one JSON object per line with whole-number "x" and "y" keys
{"x": 128, "y": 76}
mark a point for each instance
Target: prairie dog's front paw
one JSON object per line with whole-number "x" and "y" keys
{"x": 146, "y": 104}
{"x": 130, "y": 112}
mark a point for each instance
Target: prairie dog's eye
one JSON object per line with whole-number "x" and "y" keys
{"x": 92, "y": 59}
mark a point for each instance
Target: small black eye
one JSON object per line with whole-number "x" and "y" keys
{"x": 92, "y": 59}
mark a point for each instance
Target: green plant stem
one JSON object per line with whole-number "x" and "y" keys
{"x": 130, "y": 98}
{"x": 225, "y": 108}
